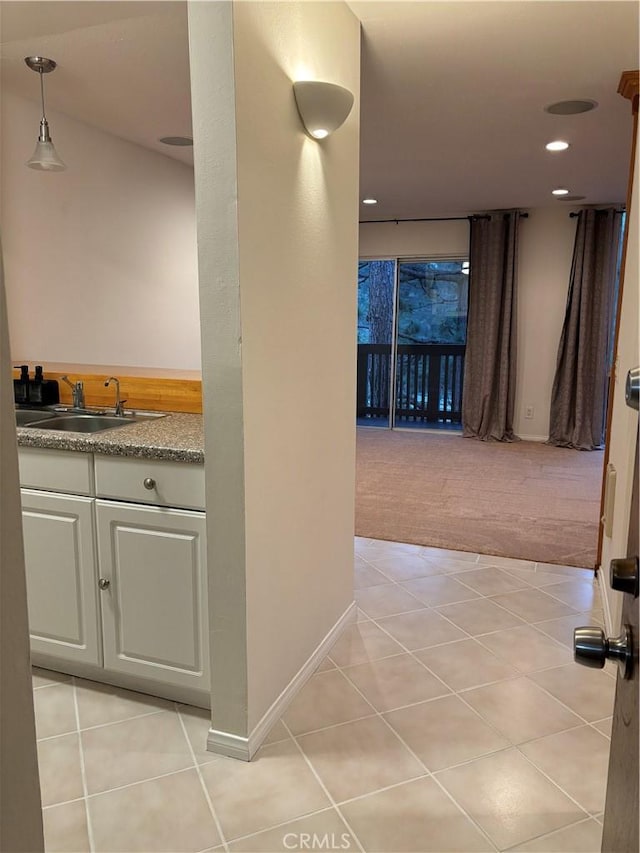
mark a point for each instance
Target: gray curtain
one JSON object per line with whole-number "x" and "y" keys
{"x": 490, "y": 359}
{"x": 578, "y": 398}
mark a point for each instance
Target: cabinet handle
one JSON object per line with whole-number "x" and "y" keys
{"x": 104, "y": 583}
{"x": 149, "y": 483}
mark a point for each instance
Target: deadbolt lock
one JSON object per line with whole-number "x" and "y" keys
{"x": 623, "y": 575}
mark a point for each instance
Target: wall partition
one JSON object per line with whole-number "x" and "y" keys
{"x": 412, "y": 325}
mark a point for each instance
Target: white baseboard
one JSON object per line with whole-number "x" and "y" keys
{"x": 233, "y": 746}
{"x": 246, "y": 747}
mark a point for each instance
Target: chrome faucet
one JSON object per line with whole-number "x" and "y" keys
{"x": 77, "y": 392}
{"x": 119, "y": 412}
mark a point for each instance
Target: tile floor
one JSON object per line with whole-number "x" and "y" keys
{"x": 451, "y": 717}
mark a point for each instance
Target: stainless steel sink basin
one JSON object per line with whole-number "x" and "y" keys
{"x": 75, "y": 420}
{"x": 30, "y": 417}
{"x": 84, "y": 423}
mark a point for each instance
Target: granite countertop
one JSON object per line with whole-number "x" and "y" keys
{"x": 176, "y": 437}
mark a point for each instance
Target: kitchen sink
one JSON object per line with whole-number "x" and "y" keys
{"x": 74, "y": 421}
{"x": 29, "y": 417}
{"x": 84, "y": 423}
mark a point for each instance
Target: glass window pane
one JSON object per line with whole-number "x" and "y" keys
{"x": 433, "y": 299}
{"x": 376, "y": 282}
{"x": 431, "y": 338}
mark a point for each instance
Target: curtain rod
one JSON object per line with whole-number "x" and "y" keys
{"x": 575, "y": 213}
{"x": 435, "y": 219}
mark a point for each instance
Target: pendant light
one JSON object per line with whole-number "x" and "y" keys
{"x": 45, "y": 157}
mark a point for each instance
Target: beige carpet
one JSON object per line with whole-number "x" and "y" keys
{"x": 524, "y": 500}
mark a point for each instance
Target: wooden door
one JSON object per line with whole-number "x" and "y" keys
{"x": 61, "y": 576}
{"x": 154, "y": 593}
{"x": 628, "y": 87}
{"x": 620, "y": 833}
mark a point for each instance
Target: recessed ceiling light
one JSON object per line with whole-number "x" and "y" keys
{"x": 557, "y": 145}
{"x": 369, "y": 200}
{"x": 570, "y": 108}
{"x": 180, "y": 141}
{"x": 560, "y": 191}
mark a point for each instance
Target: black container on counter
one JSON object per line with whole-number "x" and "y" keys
{"x": 36, "y": 392}
{"x": 21, "y": 386}
{"x": 43, "y": 392}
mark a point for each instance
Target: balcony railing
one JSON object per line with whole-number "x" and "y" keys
{"x": 428, "y": 384}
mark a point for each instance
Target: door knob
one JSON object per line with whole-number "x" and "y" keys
{"x": 623, "y": 575}
{"x": 592, "y": 648}
{"x": 104, "y": 583}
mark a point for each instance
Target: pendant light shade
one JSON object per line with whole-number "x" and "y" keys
{"x": 323, "y": 107}
{"x": 45, "y": 157}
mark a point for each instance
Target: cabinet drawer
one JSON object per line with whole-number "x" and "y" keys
{"x": 174, "y": 484}
{"x": 56, "y": 470}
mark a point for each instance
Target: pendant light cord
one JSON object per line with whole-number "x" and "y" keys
{"x": 45, "y": 157}
{"x": 42, "y": 93}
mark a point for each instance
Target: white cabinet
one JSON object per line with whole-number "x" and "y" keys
{"x": 152, "y": 567}
{"x": 150, "y": 481}
{"x": 56, "y": 471}
{"x": 117, "y": 591}
{"x": 61, "y": 576}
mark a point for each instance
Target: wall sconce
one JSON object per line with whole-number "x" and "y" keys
{"x": 45, "y": 157}
{"x": 323, "y": 107}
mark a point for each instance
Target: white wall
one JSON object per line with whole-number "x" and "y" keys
{"x": 277, "y": 221}
{"x": 546, "y": 250}
{"x": 546, "y": 247}
{"x": 298, "y": 212}
{"x": 214, "y": 133}
{"x": 100, "y": 260}
{"x": 445, "y": 239}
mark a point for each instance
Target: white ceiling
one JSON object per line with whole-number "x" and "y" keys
{"x": 122, "y": 66}
{"x": 452, "y": 92}
{"x": 452, "y": 103}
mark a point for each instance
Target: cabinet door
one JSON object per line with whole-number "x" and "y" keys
{"x": 61, "y": 576}
{"x": 154, "y": 608}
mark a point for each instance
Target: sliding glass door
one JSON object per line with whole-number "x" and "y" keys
{"x": 376, "y": 311}
{"x": 431, "y": 333}
{"x": 412, "y": 324}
